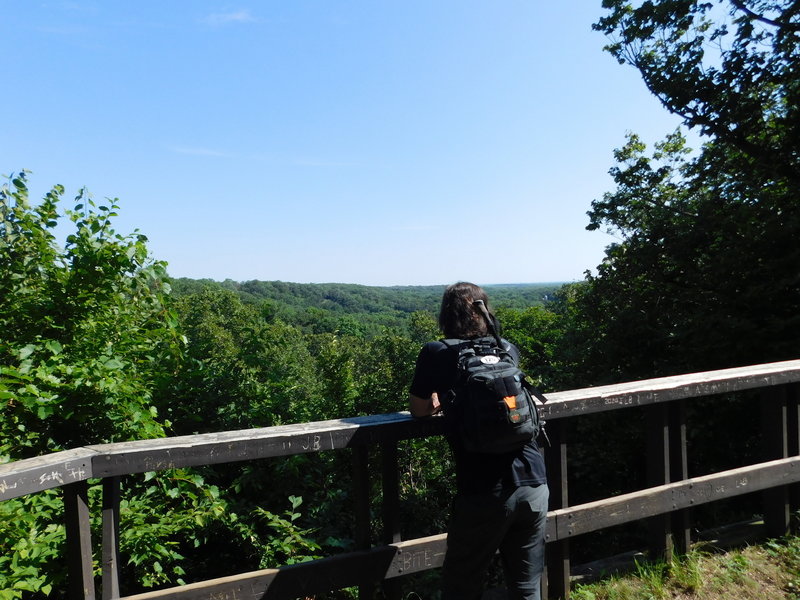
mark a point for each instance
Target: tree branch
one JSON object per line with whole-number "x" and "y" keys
{"x": 756, "y": 17}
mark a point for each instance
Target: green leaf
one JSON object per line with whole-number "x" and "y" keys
{"x": 114, "y": 363}
{"x": 44, "y": 411}
{"x": 54, "y": 346}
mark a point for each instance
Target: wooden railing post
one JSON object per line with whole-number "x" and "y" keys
{"x": 658, "y": 473}
{"x": 679, "y": 470}
{"x": 391, "y": 509}
{"x": 775, "y": 443}
{"x": 362, "y": 510}
{"x": 79, "y": 541}
{"x": 556, "y": 580}
{"x": 793, "y": 423}
{"x": 111, "y": 498}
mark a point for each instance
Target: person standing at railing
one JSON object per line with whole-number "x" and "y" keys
{"x": 501, "y": 499}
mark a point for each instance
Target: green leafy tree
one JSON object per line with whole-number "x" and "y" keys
{"x": 423, "y": 327}
{"x": 707, "y": 270}
{"x": 536, "y": 332}
{"x": 729, "y": 68}
{"x": 701, "y": 279}
{"x": 336, "y": 365}
{"x": 243, "y": 370}
{"x": 83, "y": 329}
{"x": 87, "y": 339}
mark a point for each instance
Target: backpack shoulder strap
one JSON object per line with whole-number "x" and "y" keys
{"x": 534, "y": 391}
{"x": 457, "y": 343}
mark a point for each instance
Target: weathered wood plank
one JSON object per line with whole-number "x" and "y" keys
{"x": 605, "y": 513}
{"x": 249, "y": 444}
{"x": 663, "y": 389}
{"x": 390, "y": 509}
{"x": 32, "y": 475}
{"x": 679, "y": 470}
{"x": 793, "y": 424}
{"x": 414, "y": 556}
{"x": 315, "y": 577}
{"x": 658, "y": 473}
{"x": 80, "y": 579}
{"x": 45, "y": 472}
{"x": 775, "y": 445}
{"x": 361, "y": 509}
{"x": 557, "y": 553}
{"x": 111, "y": 514}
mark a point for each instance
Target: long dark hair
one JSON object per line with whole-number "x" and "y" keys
{"x": 459, "y": 316}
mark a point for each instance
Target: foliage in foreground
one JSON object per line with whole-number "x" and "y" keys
{"x": 86, "y": 337}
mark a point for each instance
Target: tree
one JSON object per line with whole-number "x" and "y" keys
{"x": 86, "y": 338}
{"x": 83, "y": 329}
{"x": 729, "y": 68}
{"x": 707, "y": 270}
{"x": 242, "y": 371}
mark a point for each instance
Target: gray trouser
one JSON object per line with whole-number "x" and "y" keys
{"x": 512, "y": 521}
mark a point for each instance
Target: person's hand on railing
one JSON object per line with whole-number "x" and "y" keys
{"x": 424, "y": 407}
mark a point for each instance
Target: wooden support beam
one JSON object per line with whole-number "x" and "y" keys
{"x": 555, "y": 584}
{"x": 775, "y": 444}
{"x": 391, "y": 509}
{"x": 79, "y": 541}
{"x": 658, "y": 473}
{"x": 111, "y": 502}
{"x": 391, "y": 492}
{"x": 362, "y": 510}
{"x": 601, "y": 514}
{"x": 679, "y": 470}
{"x": 793, "y": 433}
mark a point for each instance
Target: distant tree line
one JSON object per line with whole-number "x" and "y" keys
{"x": 349, "y": 308}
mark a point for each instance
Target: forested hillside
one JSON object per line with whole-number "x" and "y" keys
{"x": 349, "y": 308}
{"x": 98, "y": 344}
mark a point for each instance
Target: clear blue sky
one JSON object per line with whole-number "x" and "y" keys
{"x": 384, "y": 142}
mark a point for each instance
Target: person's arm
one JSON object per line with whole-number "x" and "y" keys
{"x": 424, "y": 407}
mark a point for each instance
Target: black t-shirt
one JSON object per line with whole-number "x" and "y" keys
{"x": 475, "y": 473}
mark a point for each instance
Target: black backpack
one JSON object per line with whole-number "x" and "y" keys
{"x": 490, "y": 407}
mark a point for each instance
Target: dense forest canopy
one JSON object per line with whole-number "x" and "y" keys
{"x": 98, "y": 344}
{"x": 329, "y": 307}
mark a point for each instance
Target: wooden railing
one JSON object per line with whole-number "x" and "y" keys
{"x": 664, "y": 504}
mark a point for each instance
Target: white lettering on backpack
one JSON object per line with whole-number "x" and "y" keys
{"x": 490, "y": 360}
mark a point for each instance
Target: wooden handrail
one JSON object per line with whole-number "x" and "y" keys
{"x": 107, "y": 460}
{"x": 671, "y": 490}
